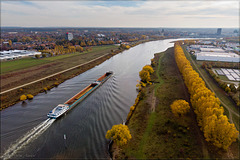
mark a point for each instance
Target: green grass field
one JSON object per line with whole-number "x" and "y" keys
{"x": 9, "y": 66}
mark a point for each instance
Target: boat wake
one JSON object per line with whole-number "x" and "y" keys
{"x": 23, "y": 141}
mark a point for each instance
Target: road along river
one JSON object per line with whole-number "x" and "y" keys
{"x": 27, "y": 133}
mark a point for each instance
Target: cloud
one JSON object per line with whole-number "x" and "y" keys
{"x": 120, "y": 13}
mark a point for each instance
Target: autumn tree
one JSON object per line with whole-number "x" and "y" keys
{"x": 145, "y": 73}
{"x": 79, "y": 49}
{"x": 180, "y": 107}
{"x": 210, "y": 118}
{"x": 220, "y": 132}
{"x": 23, "y": 97}
{"x": 10, "y": 43}
{"x": 83, "y": 44}
{"x": 120, "y": 134}
{"x": 227, "y": 89}
{"x": 145, "y": 76}
{"x": 148, "y": 68}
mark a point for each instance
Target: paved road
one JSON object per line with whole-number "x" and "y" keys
{"x": 52, "y": 75}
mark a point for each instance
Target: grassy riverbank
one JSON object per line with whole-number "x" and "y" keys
{"x": 47, "y": 66}
{"x": 157, "y": 134}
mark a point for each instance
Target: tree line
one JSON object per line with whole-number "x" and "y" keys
{"x": 215, "y": 125}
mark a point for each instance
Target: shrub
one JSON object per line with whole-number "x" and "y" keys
{"x": 37, "y": 56}
{"x": 23, "y": 97}
{"x": 44, "y": 55}
{"x": 127, "y": 47}
{"x": 132, "y": 108}
{"x": 227, "y": 89}
{"x": 233, "y": 88}
{"x": 29, "y": 96}
{"x": 56, "y": 83}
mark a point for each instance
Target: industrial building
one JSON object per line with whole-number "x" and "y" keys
{"x": 218, "y": 56}
{"x": 17, "y": 54}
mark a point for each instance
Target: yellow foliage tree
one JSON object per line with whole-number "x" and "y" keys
{"x": 127, "y": 47}
{"x": 220, "y": 132}
{"x": 29, "y": 96}
{"x": 148, "y": 68}
{"x": 120, "y": 134}
{"x": 23, "y": 97}
{"x": 215, "y": 125}
{"x": 180, "y": 107}
{"x": 145, "y": 76}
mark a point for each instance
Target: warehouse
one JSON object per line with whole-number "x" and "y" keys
{"x": 16, "y": 54}
{"x": 218, "y": 56}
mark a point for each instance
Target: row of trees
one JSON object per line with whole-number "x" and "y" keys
{"x": 59, "y": 49}
{"x": 213, "y": 123}
{"x": 220, "y": 65}
{"x": 230, "y": 89}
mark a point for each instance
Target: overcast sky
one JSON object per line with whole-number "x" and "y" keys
{"x": 193, "y": 14}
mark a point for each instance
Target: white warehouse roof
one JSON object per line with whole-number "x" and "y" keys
{"x": 218, "y": 56}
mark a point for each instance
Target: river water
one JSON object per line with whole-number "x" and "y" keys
{"x": 85, "y": 125}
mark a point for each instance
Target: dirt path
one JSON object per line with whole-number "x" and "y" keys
{"x": 153, "y": 104}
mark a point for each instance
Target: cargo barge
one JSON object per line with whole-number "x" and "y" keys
{"x": 72, "y": 102}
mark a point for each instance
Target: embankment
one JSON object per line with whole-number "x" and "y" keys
{"x": 156, "y": 133}
{"x": 38, "y": 74}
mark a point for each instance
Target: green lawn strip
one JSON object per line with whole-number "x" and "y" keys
{"x": 160, "y": 80}
{"x": 152, "y": 117}
{"x": 140, "y": 154}
{"x": 218, "y": 91}
{"x": 9, "y": 66}
{"x": 24, "y": 63}
{"x": 223, "y": 77}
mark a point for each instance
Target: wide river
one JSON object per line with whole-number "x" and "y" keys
{"x": 26, "y": 132}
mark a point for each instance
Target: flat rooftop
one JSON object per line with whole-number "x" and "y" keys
{"x": 218, "y": 54}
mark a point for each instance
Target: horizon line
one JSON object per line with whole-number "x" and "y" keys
{"x": 108, "y": 27}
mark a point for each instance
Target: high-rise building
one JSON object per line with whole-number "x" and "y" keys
{"x": 69, "y": 36}
{"x": 219, "y": 31}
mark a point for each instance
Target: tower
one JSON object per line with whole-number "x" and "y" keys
{"x": 69, "y": 36}
{"x": 219, "y": 31}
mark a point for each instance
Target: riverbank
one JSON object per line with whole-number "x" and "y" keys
{"x": 85, "y": 62}
{"x": 156, "y": 133}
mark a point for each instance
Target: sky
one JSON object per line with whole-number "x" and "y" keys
{"x": 145, "y": 13}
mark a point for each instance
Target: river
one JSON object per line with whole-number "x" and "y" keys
{"x": 85, "y": 125}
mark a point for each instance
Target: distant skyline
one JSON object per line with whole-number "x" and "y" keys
{"x": 148, "y": 14}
